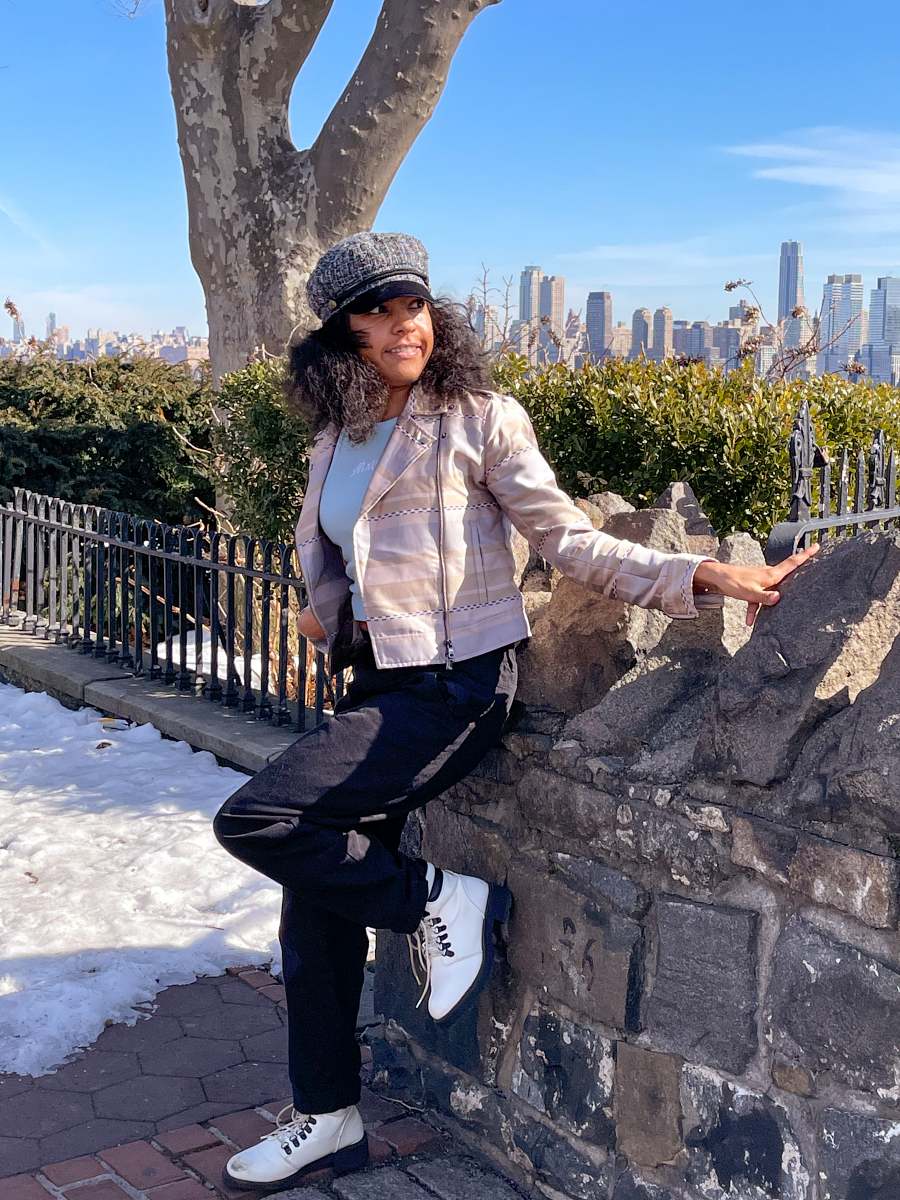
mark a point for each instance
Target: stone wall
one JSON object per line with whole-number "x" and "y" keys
{"x": 697, "y": 994}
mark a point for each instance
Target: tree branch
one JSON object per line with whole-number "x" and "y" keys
{"x": 271, "y": 40}
{"x": 282, "y": 34}
{"x": 391, "y": 96}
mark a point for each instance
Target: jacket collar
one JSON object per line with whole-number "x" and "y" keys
{"x": 419, "y": 403}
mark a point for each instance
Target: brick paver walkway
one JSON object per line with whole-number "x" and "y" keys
{"x": 152, "y": 1111}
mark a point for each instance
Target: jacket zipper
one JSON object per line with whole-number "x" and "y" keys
{"x": 481, "y": 560}
{"x": 448, "y": 644}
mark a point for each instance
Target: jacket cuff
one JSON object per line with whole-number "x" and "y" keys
{"x": 679, "y": 600}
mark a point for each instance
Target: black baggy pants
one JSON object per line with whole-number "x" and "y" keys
{"x": 325, "y": 820}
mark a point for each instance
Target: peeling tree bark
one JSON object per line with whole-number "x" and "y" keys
{"x": 261, "y": 211}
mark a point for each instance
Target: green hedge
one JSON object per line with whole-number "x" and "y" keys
{"x": 636, "y": 427}
{"x": 106, "y": 433}
{"x": 263, "y": 448}
{"x": 628, "y": 427}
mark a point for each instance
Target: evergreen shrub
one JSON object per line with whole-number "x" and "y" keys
{"x": 635, "y": 427}
{"x": 106, "y": 433}
{"x": 263, "y": 449}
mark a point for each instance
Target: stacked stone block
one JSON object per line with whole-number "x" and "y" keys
{"x": 697, "y": 993}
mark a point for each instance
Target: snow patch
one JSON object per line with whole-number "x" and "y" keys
{"x": 112, "y": 883}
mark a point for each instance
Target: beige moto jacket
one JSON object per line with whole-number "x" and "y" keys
{"x": 433, "y": 541}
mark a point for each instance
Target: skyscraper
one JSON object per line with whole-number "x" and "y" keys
{"x": 790, "y": 279}
{"x": 726, "y": 338}
{"x": 553, "y": 302}
{"x": 641, "y": 332}
{"x": 599, "y": 320}
{"x": 530, "y": 294}
{"x": 486, "y": 325}
{"x": 620, "y": 340}
{"x": 841, "y": 331}
{"x": 801, "y": 333}
{"x": 881, "y": 353}
{"x": 662, "y": 333}
{"x": 884, "y": 312}
{"x": 51, "y": 324}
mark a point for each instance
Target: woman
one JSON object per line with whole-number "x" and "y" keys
{"x": 416, "y": 474}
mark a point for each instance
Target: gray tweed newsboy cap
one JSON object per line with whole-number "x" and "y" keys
{"x": 362, "y": 263}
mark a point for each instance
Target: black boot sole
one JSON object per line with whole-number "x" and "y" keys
{"x": 348, "y": 1158}
{"x": 496, "y": 912}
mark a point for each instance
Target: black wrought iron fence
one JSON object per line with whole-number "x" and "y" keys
{"x": 200, "y": 610}
{"x": 831, "y": 500}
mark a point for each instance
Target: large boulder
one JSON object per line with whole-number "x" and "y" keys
{"x": 584, "y": 642}
{"x": 812, "y": 656}
{"x": 680, "y": 498}
{"x": 657, "y": 709}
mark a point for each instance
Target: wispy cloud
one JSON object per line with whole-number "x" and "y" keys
{"x": 24, "y": 225}
{"x": 858, "y": 172}
{"x": 672, "y": 264}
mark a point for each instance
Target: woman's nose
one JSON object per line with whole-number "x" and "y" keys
{"x": 404, "y": 321}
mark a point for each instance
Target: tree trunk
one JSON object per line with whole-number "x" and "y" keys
{"x": 261, "y": 211}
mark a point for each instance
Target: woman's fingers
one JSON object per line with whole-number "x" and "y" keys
{"x": 758, "y": 585}
{"x": 794, "y": 561}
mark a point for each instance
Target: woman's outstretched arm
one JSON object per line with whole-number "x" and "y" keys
{"x": 524, "y": 485}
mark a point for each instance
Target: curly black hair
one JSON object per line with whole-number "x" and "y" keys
{"x": 328, "y": 379}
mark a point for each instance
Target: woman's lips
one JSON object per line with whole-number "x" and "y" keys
{"x": 404, "y": 351}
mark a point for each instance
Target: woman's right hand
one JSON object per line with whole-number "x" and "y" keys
{"x": 309, "y": 626}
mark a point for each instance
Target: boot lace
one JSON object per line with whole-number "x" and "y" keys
{"x": 426, "y": 943}
{"x": 291, "y": 1129}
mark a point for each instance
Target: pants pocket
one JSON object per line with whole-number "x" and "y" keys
{"x": 472, "y": 687}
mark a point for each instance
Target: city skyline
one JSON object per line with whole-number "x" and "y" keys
{"x": 838, "y": 335}
{"x": 659, "y": 212}
{"x": 539, "y": 299}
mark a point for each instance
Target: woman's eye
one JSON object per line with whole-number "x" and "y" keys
{"x": 416, "y": 305}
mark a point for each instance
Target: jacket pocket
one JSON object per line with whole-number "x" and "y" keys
{"x": 479, "y": 564}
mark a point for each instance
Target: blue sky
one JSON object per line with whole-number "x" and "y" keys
{"x": 652, "y": 150}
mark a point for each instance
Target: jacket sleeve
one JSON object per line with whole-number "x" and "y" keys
{"x": 525, "y": 487}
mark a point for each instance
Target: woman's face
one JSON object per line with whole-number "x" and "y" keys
{"x": 399, "y": 336}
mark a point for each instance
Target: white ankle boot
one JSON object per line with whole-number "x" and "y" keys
{"x": 299, "y": 1144}
{"x": 454, "y": 944}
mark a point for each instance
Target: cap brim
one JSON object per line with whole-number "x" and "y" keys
{"x": 387, "y": 291}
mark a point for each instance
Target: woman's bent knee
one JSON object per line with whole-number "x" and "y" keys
{"x": 230, "y": 827}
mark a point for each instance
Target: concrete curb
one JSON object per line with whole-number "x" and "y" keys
{"x": 236, "y": 739}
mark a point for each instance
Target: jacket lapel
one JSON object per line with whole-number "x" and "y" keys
{"x": 410, "y": 439}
